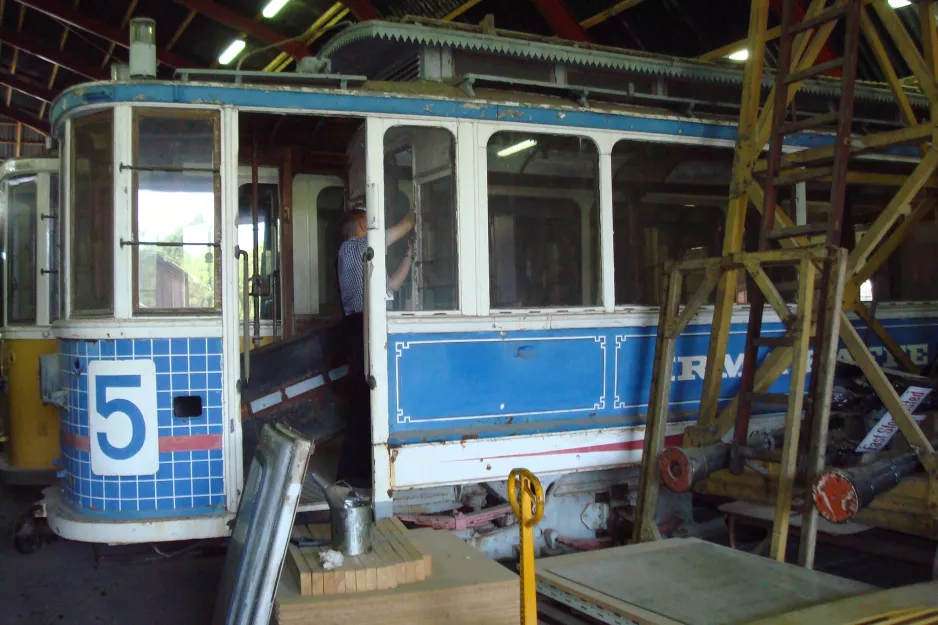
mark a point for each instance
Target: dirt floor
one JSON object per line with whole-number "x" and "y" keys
{"x": 82, "y": 584}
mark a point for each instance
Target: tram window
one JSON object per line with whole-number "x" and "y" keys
{"x": 418, "y": 176}
{"x": 21, "y": 272}
{"x": 92, "y": 209}
{"x": 177, "y": 211}
{"x": 668, "y": 204}
{"x": 543, "y": 194}
{"x": 54, "y": 250}
{"x": 268, "y": 261}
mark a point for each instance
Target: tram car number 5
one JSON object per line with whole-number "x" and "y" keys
{"x": 123, "y": 417}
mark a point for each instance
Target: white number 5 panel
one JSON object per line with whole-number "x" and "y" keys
{"x": 122, "y": 414}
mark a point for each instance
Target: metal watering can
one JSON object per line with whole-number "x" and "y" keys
{"x": 351, "y": 517}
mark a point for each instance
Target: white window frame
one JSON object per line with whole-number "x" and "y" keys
{"x": 603, "y": 142}
{"x": 458, "y": 172}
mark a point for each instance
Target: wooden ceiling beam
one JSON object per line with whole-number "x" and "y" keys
{"x": 362, "y": 10}
{"x": 560, "y": 20}
{"x": 246, "y": 25}
{"x": 39, "y": 125}
{"x": 52, "y": 55}
{"x": 23, "y": 86}
{"x": 117, "y": 36}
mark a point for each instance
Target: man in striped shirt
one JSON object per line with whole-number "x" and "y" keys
{"x": 354, "y": 463}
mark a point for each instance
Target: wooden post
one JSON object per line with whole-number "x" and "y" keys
{"x": 743, "y": 158}
{"x": 646, "y": 527}
{"x": 801, "y": 333}
{"x": 821, "y": 401}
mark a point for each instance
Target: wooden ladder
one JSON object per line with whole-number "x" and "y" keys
{"x": 812, "y": 324}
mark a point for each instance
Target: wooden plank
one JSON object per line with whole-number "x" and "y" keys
{"x": 395, "y": 559}
{"x": 876, "y": 46}
{"x": 395, "y": 527}
{"x": 467, "y": 588}
{"x": 646, "y": 528}
{"x": 624, "y": 581}
{"x": 799, "y": 367}
{"x": 394, "y": 572}
{"x": 746, "y": 133}
{"x": 296, "y": 564}
{"x": 879, "y": 331}
{"x": 821, "y": 402}
{"x": 909, "y": 50}
{"x": 772, "y": 296}
{"x": 898, "y": 206}
{"x": 700, "y": 296}
{"x": 887, "y": 394}
{"x": 874, "y": 141}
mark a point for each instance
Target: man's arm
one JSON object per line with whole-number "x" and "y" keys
{"x": 399, "y": 230}
{"x": 397, "y": 279}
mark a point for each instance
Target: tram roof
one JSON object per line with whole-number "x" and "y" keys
{"x": 419, "y": 100}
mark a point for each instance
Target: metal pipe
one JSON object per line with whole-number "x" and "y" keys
{"x": 255, "y": 210}
{"x": 839, "y": 494}
{"x": 246, "y": 307}
{"x": 683, "y": 467}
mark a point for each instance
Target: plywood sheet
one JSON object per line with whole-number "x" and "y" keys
{"x": 465, "y": 587}
{"x": 692, "y": 582}
{"x": 863, "y": 608}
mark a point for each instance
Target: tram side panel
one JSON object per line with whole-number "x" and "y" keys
{"x": 474, "y": 405}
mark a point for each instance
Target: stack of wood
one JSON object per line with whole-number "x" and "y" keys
{"x": 461, "y": 585}
{"x": 394, "y": 560}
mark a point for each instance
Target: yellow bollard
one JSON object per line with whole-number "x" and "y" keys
{"x": 529, "y": 513}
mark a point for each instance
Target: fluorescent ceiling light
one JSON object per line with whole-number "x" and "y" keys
{"x": 518, "y": 147}
{"x": 231, "y": 52}
{"x": 273, "y": 7}
{"x": 898, "y": 4}
{"x": 739, "y": 55}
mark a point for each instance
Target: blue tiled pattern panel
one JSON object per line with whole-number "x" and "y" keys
{"x": 190, "y": 479}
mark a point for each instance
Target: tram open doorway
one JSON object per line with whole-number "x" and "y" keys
{"x": 293, "y": 183}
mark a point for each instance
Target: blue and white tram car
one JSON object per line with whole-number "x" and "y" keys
{"x": 523, "y": 335}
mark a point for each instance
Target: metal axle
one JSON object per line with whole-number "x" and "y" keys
{"x": 840, "y": 494}
{"x": 683, "y": 467}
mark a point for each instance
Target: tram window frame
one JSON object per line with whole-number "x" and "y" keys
{"x": 273, "y": 231}
{"x": 54, "y": 247}
{"x": 396, "y": 141}
{"x": 215, "y": 118}
{"x": 639, "y": 285}
{"x": 105, "y": 233}
{"x": 594, "y": 279}
{"x": 31, "y": 302}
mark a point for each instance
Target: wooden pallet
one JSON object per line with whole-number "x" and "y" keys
{"x": 394, "y": 560}
{"x": 466, "y": 588}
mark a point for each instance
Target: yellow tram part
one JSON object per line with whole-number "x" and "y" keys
{"x": 33, "y": 426}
